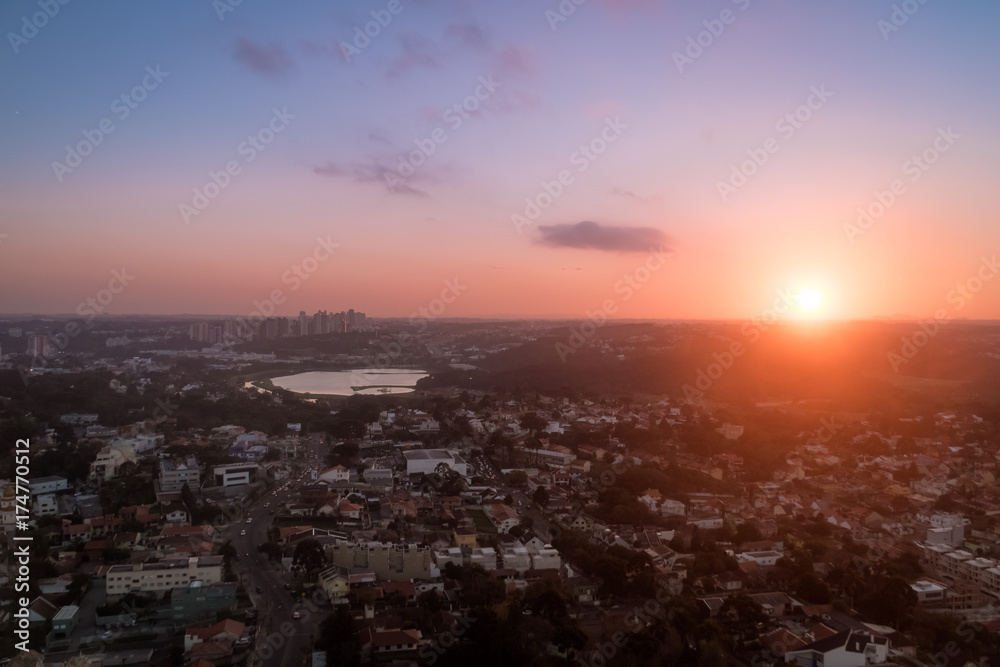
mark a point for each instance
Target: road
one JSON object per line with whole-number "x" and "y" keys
{"x": 275, "y": 605}
{"x": 522, "y": 503}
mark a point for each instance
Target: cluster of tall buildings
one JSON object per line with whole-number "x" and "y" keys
{"x": 39, "y": 345}
{"x": 323, "y": 322}
{"x": 238, "y": 330}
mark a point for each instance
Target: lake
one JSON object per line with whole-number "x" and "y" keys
{"x": 354, "y": 381}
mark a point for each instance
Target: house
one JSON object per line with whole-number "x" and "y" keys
{"x": 176, "y": 513}
{"x": 849, "y": 648}
{"x": 63, "y": 625}
{"x": 504, "y": 516}
{"x": 382, "y": 642}
{"x": 144, "y": 514}
{"x": 41, "y": 610}
{"x": 465, "y": 537}
{"x": 728, "y": 582}
{"x": 349, "y": 510}
{"x": 584, "y": 590}
{"x": 335, "y": 474}
{"x": 532, "y": 542}
{"x": 651, "y": 498}
{"x": 335, "y": 582}
{"x": 224, "y": 632}
{"x": 671, "y": 507}
{"x": 404, "y": 588}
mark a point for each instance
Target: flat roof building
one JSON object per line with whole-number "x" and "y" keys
{"x": 426, "y": 460}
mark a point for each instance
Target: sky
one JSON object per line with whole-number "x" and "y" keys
{"x": 528, "y": 158}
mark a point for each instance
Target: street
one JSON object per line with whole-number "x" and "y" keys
{"x": 275, "y": 605}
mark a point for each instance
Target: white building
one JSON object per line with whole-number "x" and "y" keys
{"x": 671, "y": 507}
{"x": 762, "y": 558}
{"x": 547, "y": 558}
{"x": 49, "y": 484}
{"x": 844, "y": 649}
{"x": 426, "y": 460}
{"x": 335, "y": 474}
{"x": 451, "y": 555}
{"x": 516, "y": 558}
{"x": 235, "y": 474}
{"x": 929, "y": 591}
{"x": 45, "y": 504}
{"x": 556, "y": 457}
{"x": 485, "y": 557}
{"x": 164, "y": 575}
{"x": 175, "y": 474}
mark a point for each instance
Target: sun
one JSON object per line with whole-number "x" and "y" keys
{"x": 809, "y": 299}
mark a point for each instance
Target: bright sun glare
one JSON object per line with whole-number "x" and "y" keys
{"x": 809, "y": 299}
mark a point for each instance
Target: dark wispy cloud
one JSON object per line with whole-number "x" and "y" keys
{"x": 516, "y": 61}
{"x": 379, "y": 139}
{"x": 629, "y": 194}
{"x": 270, "y": 60}
{"x": 590, "y": 235}
{"x": 417, "y": 51}
{"x": 360, "y": 172}
{"x": 468, "y": 35}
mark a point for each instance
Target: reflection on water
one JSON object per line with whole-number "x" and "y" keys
{"x": 354, "y": 381}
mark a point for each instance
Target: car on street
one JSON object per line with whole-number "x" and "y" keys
{"x": 296, "y": 615}
{"x": 243, "y": 532}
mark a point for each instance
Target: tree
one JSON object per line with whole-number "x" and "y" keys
{"x": 188, "y": 497}
{"x": 338, "y": 637}
{"x": 518, "y": 478}
{"x": 430, "y": 600}
{"x": 541, "y": 496}
{"x": 532, "y": 422}
{"x": 271, "y": 550}
{"x": 309, "y": 556}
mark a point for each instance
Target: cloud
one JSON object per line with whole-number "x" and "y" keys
{"x": 468, "y": 35}
{"x": 622, "y": 192}
{"x": 270, "y": 60}
{"x": 359, "y": 172}
{"x": 515, "y": 61}
{"x": 417, "y": 52}
{"x": 589, "y": 235}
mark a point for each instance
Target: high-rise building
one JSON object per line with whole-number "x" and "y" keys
{"x": 199, "y": 332}
{"x": 38, "y": 345}
{"x": 303, "y": 323}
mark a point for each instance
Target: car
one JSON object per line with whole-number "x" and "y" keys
{"x": 296, "y": 615}
{"x": 243, "y": 532}
{"x": 106, "y": 634}
{"x": 250, "y": 519}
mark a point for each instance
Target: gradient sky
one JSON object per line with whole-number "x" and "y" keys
{"x": 323, "y": 174}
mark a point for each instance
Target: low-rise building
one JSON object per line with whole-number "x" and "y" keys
{"x": 175, "y": 474}
{"x": 164, "y": 575}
